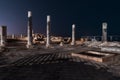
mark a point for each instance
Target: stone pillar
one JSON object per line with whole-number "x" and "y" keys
{"x": 104, "y": 32}
{"x": 29, "y": 30}
{"x": 13, "y": 36}
{"x": 21, "y": 35}
{"x": 73, "y": 35}
{"x": 48, "y": 35}
{"x": 3, "y": 34}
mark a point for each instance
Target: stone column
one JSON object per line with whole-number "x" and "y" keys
{"x": 29, "y": 30}
{"x": 73, "y": 35}
{"x": 48, "y": 35}
{"x": 21, "y": 35}
{"x": 104, "y": 32}
{"x": 13, "y": 36}
{"x": 3, "y": 34}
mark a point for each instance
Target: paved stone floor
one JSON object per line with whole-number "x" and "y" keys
{"x": 54, "y": 66}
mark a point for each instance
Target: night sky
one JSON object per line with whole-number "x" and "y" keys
{"x": 88, "y": 16}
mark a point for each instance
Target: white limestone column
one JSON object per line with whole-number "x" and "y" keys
{"x": 47, "y": 31}
{"x": 73, "y": 35}
{"x": 104, "y": 32}
{"x": 29, "y": 30}
{"x": 13, "y": 36}
{"x": 111, "y": 38}
{"x": 21, "y": 36}
{"x": 3, "y": 33}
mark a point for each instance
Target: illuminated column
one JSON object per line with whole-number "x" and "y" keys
{"x": 73, "y": 35}
{"x": 104, "y": 32}
{"x": 111, "y": 38}
{"x": 21, "y": 36}
{"x": 48, "y": 28}
{"x": 3, "y": 34}
{"x": 13, "y": 36}
{"x": 94, "y": 37}
{"x": 29, "y": 30}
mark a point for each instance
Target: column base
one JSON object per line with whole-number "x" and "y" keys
{"x": 61, "y": 44}
{"x": 2, "y": 45}
{"x": 47, "y": 46}
{"x": 72, "y": 43}
{"x": 29, "y": 46}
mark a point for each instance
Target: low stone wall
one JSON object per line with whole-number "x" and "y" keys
{"x": 99, "y": 58}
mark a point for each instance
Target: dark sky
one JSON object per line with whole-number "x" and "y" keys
{"x": 88, "y": 16}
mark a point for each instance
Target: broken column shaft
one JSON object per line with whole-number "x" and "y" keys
{"x": 73, "y": 35}
{"x": 3, "y": 34}
{"x": 104, "y": 32}
{"x": 47, "y": 32}
{"x": 29, "y": 30}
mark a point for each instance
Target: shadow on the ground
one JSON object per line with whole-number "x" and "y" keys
{"x": 53, "y": 67}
